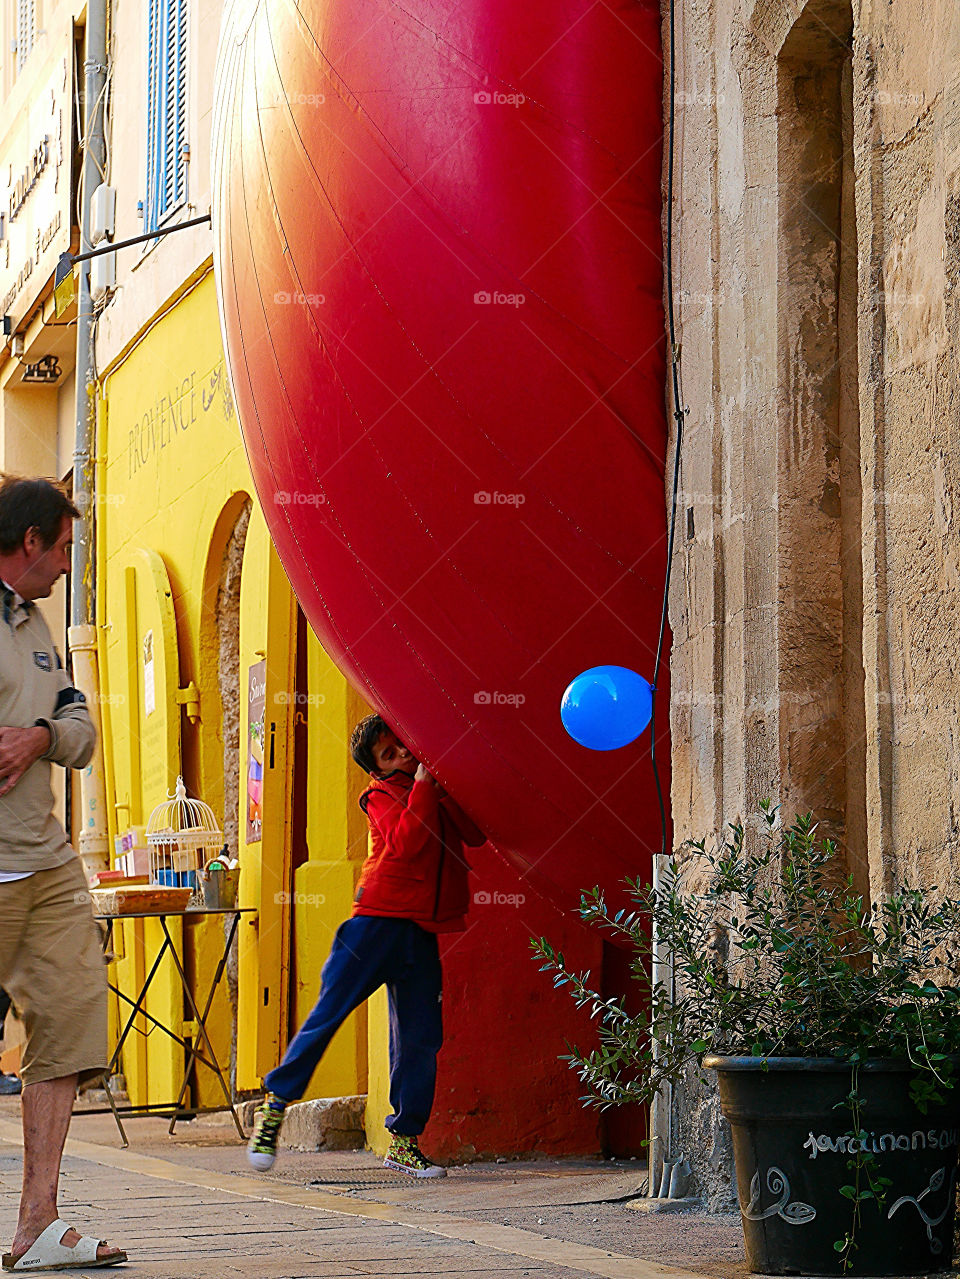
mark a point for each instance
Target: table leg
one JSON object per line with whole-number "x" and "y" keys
{"x": 201, "y": 1028}
{"x": 107, "y": 938}
{"x": 115, "y": 1058}
{"x": 116, "y": 1114}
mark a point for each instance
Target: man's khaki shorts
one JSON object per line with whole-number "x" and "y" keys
{"x": 52, "y": 967}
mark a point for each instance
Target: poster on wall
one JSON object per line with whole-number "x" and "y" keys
{"x": 256, "y": 715}
{"x": 149, "y": 681}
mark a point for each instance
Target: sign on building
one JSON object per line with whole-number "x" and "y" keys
{"x": 35, "y": 192}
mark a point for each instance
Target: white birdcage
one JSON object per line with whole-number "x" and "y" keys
{"x": 182, "y": 835}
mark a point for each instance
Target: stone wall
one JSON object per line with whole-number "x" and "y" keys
{"x": 229, "y": 680}
{"x": 815, "y": 594}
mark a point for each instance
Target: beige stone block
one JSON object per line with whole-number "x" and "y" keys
{"x": 328, "y": 1123}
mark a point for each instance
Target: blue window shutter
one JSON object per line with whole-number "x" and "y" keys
{"x": 166, "y": 109}
{"x": 181, "y": 165}
{"x": 25, "y": 30}
{"x": 150, "y": 203}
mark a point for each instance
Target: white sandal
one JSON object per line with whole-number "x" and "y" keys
{"x": 48, "y": 1253}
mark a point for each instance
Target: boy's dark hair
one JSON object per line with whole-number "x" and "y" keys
{"x": 27, "y": 504}
{"x": 363, "y": 739}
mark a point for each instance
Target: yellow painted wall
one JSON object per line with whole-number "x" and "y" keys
{"x": 170, "y": 460}
{"x": 173, "y": 479}
{"x": 378, "y": 1073}
{"x": 170, "y": 457}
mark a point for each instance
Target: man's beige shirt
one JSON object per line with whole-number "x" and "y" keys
{"x": 34, "y": 688}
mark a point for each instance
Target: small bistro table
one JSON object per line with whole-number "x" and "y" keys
{"x": 196, "y": 1028}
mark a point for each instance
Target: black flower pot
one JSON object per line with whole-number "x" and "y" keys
{"x": 791, "y": 1124}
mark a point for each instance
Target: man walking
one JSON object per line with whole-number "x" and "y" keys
{"x": 50, "y": 958}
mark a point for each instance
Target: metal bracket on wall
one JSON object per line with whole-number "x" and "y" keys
{"x": 189, "y": 699}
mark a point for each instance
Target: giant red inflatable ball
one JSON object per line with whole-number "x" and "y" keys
{"x": 438, "y": 260}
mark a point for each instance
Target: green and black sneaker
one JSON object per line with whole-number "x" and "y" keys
{"x": 267, "y": 1122}
{"x": 405, "y": 1155}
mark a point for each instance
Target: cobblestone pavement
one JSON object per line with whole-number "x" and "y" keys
{"x": 189, "y": 1206}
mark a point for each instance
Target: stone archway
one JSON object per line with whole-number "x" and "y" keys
{"x": 220, "y": 656}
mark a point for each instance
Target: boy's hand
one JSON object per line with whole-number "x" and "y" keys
{"x": 421, "y": 775}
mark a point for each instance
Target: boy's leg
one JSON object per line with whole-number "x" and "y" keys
{"x": 9, "y": 1084}
{"x": 416, "y": 1033}
{"x": 362, "y": 952}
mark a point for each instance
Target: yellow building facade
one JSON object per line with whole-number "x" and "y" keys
{"x": 205, "y": 667}
{"x": 37, "y": 348}
{"x": 194, "y": 611}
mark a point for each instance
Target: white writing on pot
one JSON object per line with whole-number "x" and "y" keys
{"x": 870, "y": 1142}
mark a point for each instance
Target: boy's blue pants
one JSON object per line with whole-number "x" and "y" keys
{"x": 370, "y": 952}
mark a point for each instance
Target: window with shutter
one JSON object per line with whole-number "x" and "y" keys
{"x": 166, "y": 109}
{"x": 25, "y": 26}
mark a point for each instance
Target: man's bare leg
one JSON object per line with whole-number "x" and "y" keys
{"x": 46, "y": 1108}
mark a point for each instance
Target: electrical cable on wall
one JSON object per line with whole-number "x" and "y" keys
{"x": 661, "y": 1111}
{"x": 678, "y": 415}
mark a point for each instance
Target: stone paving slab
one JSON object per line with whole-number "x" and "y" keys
{"x": 180, "y": 1221}
{"x": 496, "y": 1188}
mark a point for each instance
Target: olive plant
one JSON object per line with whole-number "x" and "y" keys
{"x": 772, "y": 953}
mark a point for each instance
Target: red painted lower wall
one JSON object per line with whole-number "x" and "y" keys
{"x": 501, "y": 1089}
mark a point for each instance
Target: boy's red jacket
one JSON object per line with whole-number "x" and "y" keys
{"x": 416, "y": 868}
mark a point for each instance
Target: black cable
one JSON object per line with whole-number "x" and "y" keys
{"x": 112, "y": 245}
{"x": 678, "y": 415}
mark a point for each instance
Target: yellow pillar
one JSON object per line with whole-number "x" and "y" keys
{"x": 378, "y": 1078}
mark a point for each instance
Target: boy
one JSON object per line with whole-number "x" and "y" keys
{"x": 413, "y": 886}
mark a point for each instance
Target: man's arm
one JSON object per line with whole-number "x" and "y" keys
{"x": 72, "y": 735}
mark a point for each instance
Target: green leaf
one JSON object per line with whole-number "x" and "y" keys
{"x": 774, "y": 955}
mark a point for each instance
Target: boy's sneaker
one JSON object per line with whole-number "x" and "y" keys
{"x": 10, "y": 1085}
{"x": 267, "y": 1122}
{"x": 405, "y": 1155}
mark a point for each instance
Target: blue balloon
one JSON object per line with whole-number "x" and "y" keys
{"x": 606, "y": 707}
